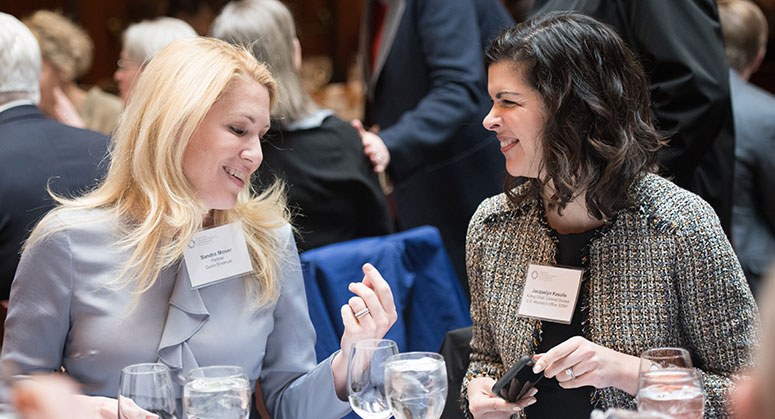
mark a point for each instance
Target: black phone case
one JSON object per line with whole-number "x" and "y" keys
{"x": 518, "y": 380}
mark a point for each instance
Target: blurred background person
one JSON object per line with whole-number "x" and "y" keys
{"x": 679, "y": 45}
{"x": 36, "y": 153}
{"x": 753, "y": 212}
{"x": 67, "y": 55}
{"x": 426, "y": 96}
{"x": 140, "y": 42}
{"x": 653, "y": 265}
{"x": 332, "y": 188}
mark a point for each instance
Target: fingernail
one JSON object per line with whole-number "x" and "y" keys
{"x": 517, "y": 409}
{"x": 538, "y": 367}
{"x": 352, "y": 284}
{"x": 532, "y": 392}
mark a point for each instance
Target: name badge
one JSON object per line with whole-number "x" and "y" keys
{"x": 216, "y": 254}
{"x": 550, "y": 293}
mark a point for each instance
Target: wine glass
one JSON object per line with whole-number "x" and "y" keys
{"x": 143, "y": 389}
{"x": 366, "y": 377}
{"x": 668, "y": 384}
{"x": 416, "y": 385}
{"x": 217, "y": 392}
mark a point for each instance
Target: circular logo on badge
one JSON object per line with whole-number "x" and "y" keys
{"x": 534, "y": 275}
{"x": 192, "y": 244}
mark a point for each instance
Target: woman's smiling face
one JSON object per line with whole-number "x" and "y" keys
{"x": 517, "y": 117}
{"x": 226, "y": 147}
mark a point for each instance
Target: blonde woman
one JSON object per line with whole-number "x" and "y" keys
{"x": 106, "y": 280}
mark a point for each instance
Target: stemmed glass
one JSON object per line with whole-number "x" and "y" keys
{"x": 667, "y": 383}
{"x": 416, "y": 385}
{"x": 217, "y": 392}
{"x": 143, "y": 389}
{"x": 366, "y": 377}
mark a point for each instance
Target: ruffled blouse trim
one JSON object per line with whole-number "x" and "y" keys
{"x": 186, "y": 316}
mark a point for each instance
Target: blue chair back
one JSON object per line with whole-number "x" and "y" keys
{"x": 428, "y": 296}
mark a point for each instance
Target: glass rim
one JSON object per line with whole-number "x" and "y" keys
{"x": 374, "y": 343}
{"x": 237, "y": 370}
{"x": 666, "y": 350}
{"x": 153, "y": 368}
{"x": 414, "y": 355}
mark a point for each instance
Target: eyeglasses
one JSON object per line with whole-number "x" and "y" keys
{"x": 126, "y": 64}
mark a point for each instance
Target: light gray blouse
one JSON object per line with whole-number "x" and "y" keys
{"x": 67, "y": 311}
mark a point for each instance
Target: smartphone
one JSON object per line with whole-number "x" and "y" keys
{"x": 518, "y": 380}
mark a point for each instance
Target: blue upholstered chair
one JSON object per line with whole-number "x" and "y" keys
{"x": 428, "y": 296}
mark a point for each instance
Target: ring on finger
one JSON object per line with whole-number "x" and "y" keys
{"x": 569, "y": 373}
{"x": 360, "y": 313}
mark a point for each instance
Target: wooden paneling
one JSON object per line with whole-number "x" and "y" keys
{"x": 328, "y": 28}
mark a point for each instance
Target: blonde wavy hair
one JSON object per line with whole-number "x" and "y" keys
{"x": 145, "y": 188}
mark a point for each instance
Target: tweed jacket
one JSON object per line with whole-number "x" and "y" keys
{"x": 660, "y": 273}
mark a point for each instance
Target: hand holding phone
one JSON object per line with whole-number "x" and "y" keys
{"x": 518, "y": 380}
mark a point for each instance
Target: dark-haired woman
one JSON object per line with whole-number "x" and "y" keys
{"x": 594, "y": 258}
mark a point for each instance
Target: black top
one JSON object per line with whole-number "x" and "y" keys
{"x": 332, "y": 190}
{"x": 553, "y": 401}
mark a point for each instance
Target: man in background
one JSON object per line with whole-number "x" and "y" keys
{"x": 753, "y": 212}
{"x": 36, "y": 153}
{"x": 427, "y": 93}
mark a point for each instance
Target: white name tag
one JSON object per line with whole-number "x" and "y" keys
{"x": 550, "y": 293}
{"x": 216, "y": 254}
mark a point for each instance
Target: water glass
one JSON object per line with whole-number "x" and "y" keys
{"x": 366, "y": 377}
{"x": 667, "y": 384}
{"x": 416, "y": 385}
{"x": 221, "y": 392}
{"x": 144, "y": 389}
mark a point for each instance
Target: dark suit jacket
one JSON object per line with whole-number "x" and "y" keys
{"x": 36, "y": 151}
{"x": 680, "y": 46}
{"x": 428, "y": 95}
{"x": 753, "y": 212}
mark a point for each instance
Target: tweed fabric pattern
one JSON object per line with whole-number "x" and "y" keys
{"x": 661, "y": 273}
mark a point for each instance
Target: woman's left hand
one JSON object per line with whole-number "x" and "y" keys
{"x": 376, "y": 314}
{"x": 578, "y": 362}
{"x": 375, "y": 298}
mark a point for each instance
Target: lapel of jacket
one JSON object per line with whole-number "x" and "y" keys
{"x": 393, "y": 15}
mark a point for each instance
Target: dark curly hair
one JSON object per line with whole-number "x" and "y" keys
{"x": 598, "y": 136}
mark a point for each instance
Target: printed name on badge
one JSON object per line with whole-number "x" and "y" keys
{"x": 216, "y": 254}
{"x": 550, "y": 293}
